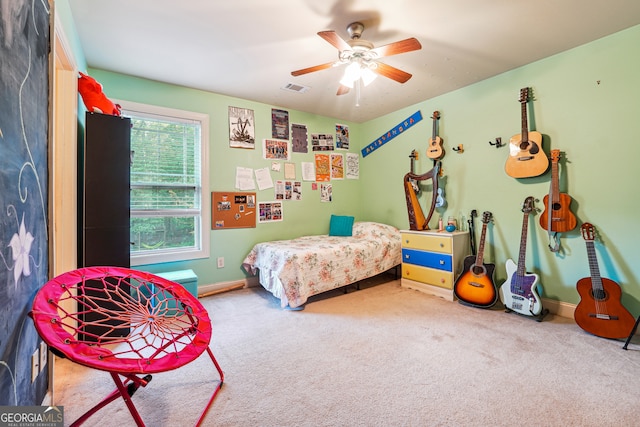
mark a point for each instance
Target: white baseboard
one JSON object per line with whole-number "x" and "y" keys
{"x": 559, "y": 308}
{"x": 227, "y": 286}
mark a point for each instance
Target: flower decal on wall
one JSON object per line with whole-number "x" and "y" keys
{"x": 20, "y": 247}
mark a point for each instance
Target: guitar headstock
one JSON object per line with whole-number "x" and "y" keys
{"x": 588, "y": 232}
{"x": 436, "y": 115}
{"x": 527, "y": 205}
{"x": 524, "y": 95}
{"x": 555, "y": 155}
{"x": 486, "y": 217}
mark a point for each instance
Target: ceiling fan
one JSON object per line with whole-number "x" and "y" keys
{"x": 362, "y": 58}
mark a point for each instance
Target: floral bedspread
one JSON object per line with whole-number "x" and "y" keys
{"x": 293, "y": 270}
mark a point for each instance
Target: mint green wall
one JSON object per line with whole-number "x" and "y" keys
{"x": 309, "y": 216}
{"x": 595, "y": 125}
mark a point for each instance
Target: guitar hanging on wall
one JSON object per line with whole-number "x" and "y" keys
{"x": 435, "y": 150}
{"x": 600, "y": 311}
{"x": 518, "y": 293}
{"x": 556, "y": 215}
{"x": 526, "y": 157}
{"x": 475, "y": 285}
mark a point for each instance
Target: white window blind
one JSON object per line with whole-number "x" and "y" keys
{"x": 167, "y": 193}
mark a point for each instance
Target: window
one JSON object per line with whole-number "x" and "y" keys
{"x": 169, "y": 182}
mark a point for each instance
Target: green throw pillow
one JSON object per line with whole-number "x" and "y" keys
{"x": 341, "y": 225}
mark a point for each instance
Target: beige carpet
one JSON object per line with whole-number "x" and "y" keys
{"x": 380, "y": 356}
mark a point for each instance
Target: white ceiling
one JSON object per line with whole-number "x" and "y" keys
{"x": 248, "y": 48}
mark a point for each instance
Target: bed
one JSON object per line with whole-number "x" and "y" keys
{"x": 293, "y": 270}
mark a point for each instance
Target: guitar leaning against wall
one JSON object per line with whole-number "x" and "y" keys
{"x": 475, "y": 285}
{"x": 519, "y": 292}
{"x": 526, "y": 158}
{"x": 600, "y": 311}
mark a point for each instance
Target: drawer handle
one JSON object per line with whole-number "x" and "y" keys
{"x": 442, "y": 245}
{"x": 441, "y": 262}
{"x": 407, "y": 256}
{"x": 441, "y": 280}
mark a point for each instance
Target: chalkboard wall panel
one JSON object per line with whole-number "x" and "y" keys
{"x": 24, "y": 125}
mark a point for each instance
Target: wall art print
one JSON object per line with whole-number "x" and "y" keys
{"x": 24, "y": 127}
{"x": 242, "y": 128}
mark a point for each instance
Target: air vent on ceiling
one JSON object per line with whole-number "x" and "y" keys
{"x": 291, "y": 87}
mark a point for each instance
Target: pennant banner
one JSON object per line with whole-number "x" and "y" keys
{"x": 401, "y": 127}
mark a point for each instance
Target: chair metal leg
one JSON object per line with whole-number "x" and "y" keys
{"x": 124, "y": 390}
{"x": 217, "y": 389}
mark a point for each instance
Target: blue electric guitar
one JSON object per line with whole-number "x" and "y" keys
{"x": 518, "y": 293}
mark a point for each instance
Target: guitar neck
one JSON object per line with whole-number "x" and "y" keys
{"x": 596, "y": 280}
{"x": 523, "y": 246}
{"x": 555, "y": 187}
{"x": 479, "y": 257}
{"x": 525, "y": 125}
{"x": 434, "y": 132}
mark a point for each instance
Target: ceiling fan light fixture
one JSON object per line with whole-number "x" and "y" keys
{"x": 368, "y": 76}
{"x": 352, "y": 73}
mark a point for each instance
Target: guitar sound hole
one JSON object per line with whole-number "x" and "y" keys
{"x": 478, "y": 270}
{"x": 556, "y": 206}
{"x": 599, "y": 294}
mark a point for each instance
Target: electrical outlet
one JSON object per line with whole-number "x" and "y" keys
{"x": 220, "y": 262}
{"x": 44, "y": 354}
{"x": 35, "y": 365}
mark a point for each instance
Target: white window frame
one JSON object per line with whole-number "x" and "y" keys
{"x": 205, "y": 206}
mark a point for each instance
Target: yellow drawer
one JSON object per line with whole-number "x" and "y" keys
{"x": 427, "y": 242}
{"x": 431, "y": 276}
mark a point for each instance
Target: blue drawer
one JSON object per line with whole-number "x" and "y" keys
{"x": 427, "y": 259}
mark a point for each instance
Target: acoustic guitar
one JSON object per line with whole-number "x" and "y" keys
{"x": 475, "y": 285}
{"x": 519, "y": 292}
{"x": 435, "y": 150}
{"x": 556, "y": 215}
{"x": 600, "y": 311}
{"x": 526, "y": 157}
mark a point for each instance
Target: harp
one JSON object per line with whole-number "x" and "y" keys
{"x": 417, "y": 220}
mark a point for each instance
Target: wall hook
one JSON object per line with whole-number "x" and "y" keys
{"x": 498, "y": 142}
{"x": 459, "y": 148}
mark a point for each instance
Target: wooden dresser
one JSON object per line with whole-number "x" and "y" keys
{"x": 432, "y": 260}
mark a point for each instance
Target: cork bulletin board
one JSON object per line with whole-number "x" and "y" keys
{"x": 233, "y": 210}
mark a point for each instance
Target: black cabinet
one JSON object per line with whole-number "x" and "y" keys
{"x": 104, "y": 167}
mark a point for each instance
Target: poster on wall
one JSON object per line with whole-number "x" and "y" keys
{"x": 242, "y": 130}
{"x": 299, "y": 138}
{"x": 323, "y": 167}
{"x": 337, "y": 166}
{"x": 288, "y": 190}
{"x": 279, "y": 124}
{"x": 321, "y": 142}
{"x": 275, "y": 149}
{"x": 352, "y": 166}
{"x": 270, "y": 211}
{"x": 326, "y": 192}
{"x": 233, "y": 210}
{"x": 342, "y": 137}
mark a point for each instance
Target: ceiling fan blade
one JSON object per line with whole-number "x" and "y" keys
{"x": 342, "y": 89}
{"x": 335, "y": 40}
{"x": 395, "y": 48}
{"x": 312, "y": 69}
{"x": 391, "y": 72}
